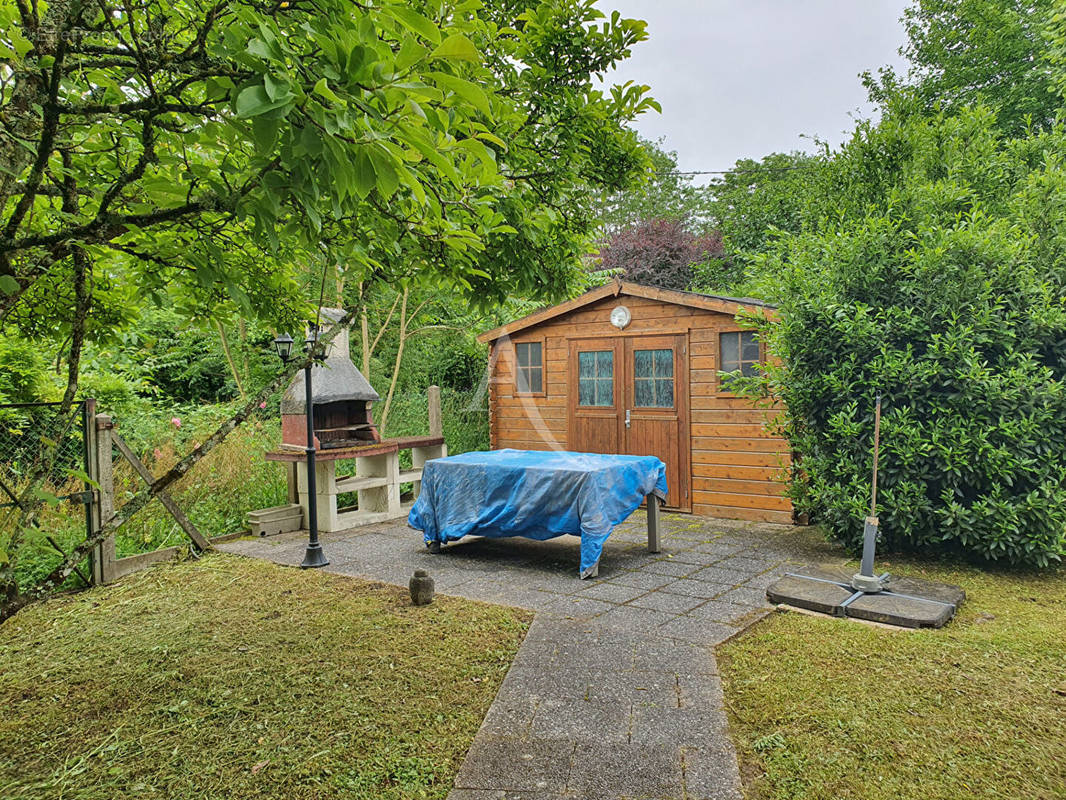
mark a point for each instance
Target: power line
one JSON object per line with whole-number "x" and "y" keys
{"x": 734, "y": 171}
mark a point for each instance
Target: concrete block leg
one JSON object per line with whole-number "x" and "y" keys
{"x": 290, "y": 479}
{"x": 380, "y": 498}
{"x": 325, "y": 489}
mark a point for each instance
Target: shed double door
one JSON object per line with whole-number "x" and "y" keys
{"x": 629, "y": 395}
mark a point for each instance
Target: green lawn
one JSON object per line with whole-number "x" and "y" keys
{"x": 233, "y": 678}
{"x": 826, "y": 708}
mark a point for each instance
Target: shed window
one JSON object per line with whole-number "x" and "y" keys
{"x": 596, "y": 378}
{"x": 530, "y": 373}
{"x": 653, "y": 378}
{"x": 740, "y": 354}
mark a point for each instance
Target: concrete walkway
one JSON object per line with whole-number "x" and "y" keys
{"x": 615, "y": 690}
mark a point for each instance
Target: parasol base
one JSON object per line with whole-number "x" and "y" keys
{"x": 902, "y": 602}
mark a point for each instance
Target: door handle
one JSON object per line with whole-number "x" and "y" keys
{"x": 627, "y": 417}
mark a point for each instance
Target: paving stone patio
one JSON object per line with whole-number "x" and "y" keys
{"x": 615, "y": 690}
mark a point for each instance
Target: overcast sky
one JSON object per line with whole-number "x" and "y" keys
{"x": 744, "y": 78}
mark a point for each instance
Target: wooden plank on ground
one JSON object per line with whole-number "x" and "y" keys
{"x": 130, "y": 564}
{"x": 168, "y": 503}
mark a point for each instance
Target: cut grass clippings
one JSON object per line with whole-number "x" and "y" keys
{"x": 234, "y": 678}
{"x": 827, "y": 708}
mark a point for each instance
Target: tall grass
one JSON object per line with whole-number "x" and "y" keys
{"x": 216, "y": 495}
{"x": 464, "y": 417}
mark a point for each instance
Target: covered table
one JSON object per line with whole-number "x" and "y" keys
{"x": 539, "y": 495}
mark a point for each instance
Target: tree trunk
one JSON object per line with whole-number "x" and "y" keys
{"x": 31, "y": 113}
{"x": 242, "y": 334}
{"x": 399, "y": 359}
{"x": 364, "y": 333}
{"x": 29, "y": 503}
{"x": 229, "y": 360}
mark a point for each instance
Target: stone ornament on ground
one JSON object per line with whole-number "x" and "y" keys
{"x": 422, "y": 588}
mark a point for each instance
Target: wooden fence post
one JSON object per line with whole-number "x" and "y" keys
{"x": 90, "y": 468}
{"x": 101, "y": 467}
{"x": 435, "y": 426}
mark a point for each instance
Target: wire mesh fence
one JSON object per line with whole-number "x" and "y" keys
{"x": 216, "y": 495}
{"x": 31, "y": 436}
{"x": 43, "y": 463}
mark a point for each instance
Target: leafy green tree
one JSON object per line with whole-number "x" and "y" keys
{"x": 208, "y": 156}
{"x": 964, "y": 52}
{"x": 756, "y": 200}
{"x": 663, "y": 193}
{"x": 22, "y": 372}
{"x": 567, "y": 143}
{"x": 937, "y": 282}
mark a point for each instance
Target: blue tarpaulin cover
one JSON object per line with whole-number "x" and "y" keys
{"x": 536, "y": 494}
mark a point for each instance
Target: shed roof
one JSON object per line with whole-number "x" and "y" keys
{"x": 709, "y": 302}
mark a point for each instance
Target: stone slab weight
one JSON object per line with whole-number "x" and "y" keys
{"x": 907, "y": 602}
{"x": 824, "y": 598}
{"x": 903, "y": 612}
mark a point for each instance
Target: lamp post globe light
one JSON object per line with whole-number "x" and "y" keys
{"x": 313, "y": 556}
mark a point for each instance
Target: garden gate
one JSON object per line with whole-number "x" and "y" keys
{"x": 82, "y": 473}
{"x": 106, "y": 566}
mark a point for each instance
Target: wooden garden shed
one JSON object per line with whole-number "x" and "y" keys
{"x": 634, "y": 369}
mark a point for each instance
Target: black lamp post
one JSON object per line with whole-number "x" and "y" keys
{"x": 313, "y": 556}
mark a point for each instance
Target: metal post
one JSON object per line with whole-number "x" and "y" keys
{"x": 877, "y": 450}
{"x": 869, "y": 545}
{"x": 313, "y": 557}
{"x": 654, "y": 536}
{"x": 865, "y": 580}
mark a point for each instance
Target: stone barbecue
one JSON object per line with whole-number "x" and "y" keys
{"x": 345, "y": 434}
{"x": 342, "y": 399}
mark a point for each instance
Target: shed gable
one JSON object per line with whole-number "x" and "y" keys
{"x": 617, "y": 292}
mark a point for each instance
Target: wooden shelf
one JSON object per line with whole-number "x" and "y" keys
{"x": 357, "y": 482}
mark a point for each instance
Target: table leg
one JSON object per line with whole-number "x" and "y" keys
{"x": 434, "y": 547}
{"x": 654, "y": 540}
